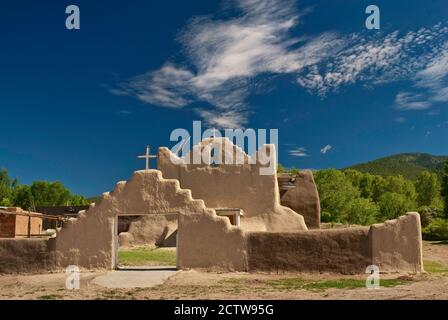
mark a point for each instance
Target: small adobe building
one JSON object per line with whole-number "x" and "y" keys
{"x": 17, "y": 223}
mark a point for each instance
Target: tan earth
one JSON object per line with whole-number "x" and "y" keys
{"x": 195, "y": 284}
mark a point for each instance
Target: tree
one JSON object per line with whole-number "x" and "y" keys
{"x": 335, "y": 192}
{"x": 40, "y": 193}
{"x": 366, "y": 185}
{"x": 23, "y": 198}
{"x": 428, "y": 188}
{"x": 379, "y": 185}
{"x": 49, "y": 193}
{"x": 77, "y": 200}
{"x": 361, "y": 211}
{"x": 362, "y": 181}
{"x": 400, "y": 185}
{"x": 354, "y": 176}
{"x": 5, "y": 202}
{"x": 280, "y": 168}
{"x": 5, "y": 187}
{"x": 392, "y": 205}
{"x": 445, "y": 190}
{"x": 294, "y": 171}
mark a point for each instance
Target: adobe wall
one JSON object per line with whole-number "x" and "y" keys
{"x": 7, "y": 226}
{"x": 26, "y": 255}
{"x": 14, "y": 222}
{"x": 22, "y": 225}
{"x": 207, "y": 240}
{"x": 234, "y": 186}
{"x": 153, "y": 230}
{"x": 397, "y": 244}
{"x": 393, "y": 246}
{"x": 336, "y": 250}
{"x": 304, "y": 199}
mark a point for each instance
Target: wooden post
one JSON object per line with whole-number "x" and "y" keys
{"x": 29, "y": 226}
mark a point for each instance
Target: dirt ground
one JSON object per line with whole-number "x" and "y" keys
{"x": 195, "y": 284}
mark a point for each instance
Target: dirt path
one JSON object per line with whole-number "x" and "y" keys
{"x": 194, "y": 284}
{"x": 129, "y": 278}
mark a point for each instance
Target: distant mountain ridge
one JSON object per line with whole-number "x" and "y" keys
{"x": 408, "y": 165}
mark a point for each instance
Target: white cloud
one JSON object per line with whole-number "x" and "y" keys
{"x": 326, "y": 149}
{"x": 224, "y": 57}
{"x": 298, "y": 152}
{"x": 410, "y": 101}
{"x": 436, "y": 71}
{"x": 431, "y": 83}
{"x": 401, "y": 120}
{"x": 227, "y": 119}
{"x": 168, "y": 86}
{"x": 377, "y": 60}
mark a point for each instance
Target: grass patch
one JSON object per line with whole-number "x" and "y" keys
{"x": 298, "y": 283}
{"x": 147, "y": 256}
{"x": 50, "y": 297}
{"x": 435, "y": 267}
{"x": 115, "y": 295}
{"x": 234, "y": 281}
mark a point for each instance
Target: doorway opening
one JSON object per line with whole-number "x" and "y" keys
{"x": 146, "y": 241}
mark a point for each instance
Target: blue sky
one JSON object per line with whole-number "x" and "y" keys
{"x": 78, "y": 106}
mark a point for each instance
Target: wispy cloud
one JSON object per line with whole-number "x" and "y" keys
{"x": 298, "y": 152}
{"x": 433, "y": 113}
{"x": 411, "y": 101}
{"x": 224, "y": 59}
{"x": 379, "y": 59}
{"x": 226, "y": 55}
{"x": 326, "y": 149}
{"x": 167, "y": 86}
{"x": 401, "y": 120}
{"x": 431, "y": 81}
{"x": 124, "y": 112}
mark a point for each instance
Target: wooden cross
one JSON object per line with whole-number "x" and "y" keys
{"x": 147, "y": 156}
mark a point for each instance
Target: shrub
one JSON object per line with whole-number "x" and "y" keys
{"x": 436, "y": 230}
{"x": 392, "y": 205}
{"x": 325, "y": 217}
{"x": 335, "y": 192}
{"x": 280, "y": 168}
{"x": 361, "y": 211}
{"x": 428, "y": 213}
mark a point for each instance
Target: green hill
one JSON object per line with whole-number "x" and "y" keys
{"x": 408, "y": 165}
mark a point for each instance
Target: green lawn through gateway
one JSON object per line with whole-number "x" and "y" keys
{"x": 147, "y": 256}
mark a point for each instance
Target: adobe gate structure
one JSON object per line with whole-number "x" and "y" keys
{"x": 270, "y": 237}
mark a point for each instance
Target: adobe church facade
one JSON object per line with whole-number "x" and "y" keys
{"x": 266, "y": 235}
